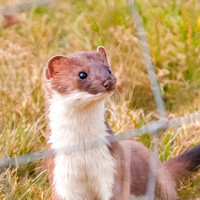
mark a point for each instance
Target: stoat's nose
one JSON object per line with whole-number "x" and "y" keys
{"x": 109, "y": 85}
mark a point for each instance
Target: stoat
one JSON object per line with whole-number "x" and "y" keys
{"x": 76, "y": 87}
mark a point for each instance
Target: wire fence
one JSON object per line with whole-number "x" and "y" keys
{"x": 12, "y": 10}
{"x": 156, "y": 92}
{"x": 153, "y": 128}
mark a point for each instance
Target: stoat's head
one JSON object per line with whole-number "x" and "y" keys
{"x": 81, "y": 73}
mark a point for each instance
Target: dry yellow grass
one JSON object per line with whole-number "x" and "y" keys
{"x": 66, "y": 26}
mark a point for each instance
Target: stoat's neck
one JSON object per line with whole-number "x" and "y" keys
{"x": 75, "y": 125}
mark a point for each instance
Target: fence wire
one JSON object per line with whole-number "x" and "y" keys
{"x": 12, "y": 10}
{"x": 156, "y": 92}
{"x": 153, "y": 128}
{"x": 149, "y": 63}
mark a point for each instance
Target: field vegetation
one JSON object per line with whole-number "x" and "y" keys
{"x": 61, "y": 27}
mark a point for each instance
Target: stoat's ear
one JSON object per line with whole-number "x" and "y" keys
{"x": 54, "y": 65}
{"x": 102, "y": 51}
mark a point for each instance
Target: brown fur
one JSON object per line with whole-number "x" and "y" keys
{"x": 132, "y": 172}
{"x": 62, "y": 72}
{"x": 9, "y": 20}
{"x": 132, "y": 158}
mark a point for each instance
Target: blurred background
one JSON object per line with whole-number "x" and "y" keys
{"x": 31, "y": 36}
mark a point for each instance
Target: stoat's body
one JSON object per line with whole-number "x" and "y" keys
{"x": 88, "y": 173}
{"x": 85, "y": 166}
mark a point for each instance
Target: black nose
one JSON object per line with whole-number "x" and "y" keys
{"x": 109, "y": 85}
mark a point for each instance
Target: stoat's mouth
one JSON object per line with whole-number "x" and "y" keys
{"x": 91, "y": 98}
{"x": 81, "y": 99}
{"x": 103, "y": 95}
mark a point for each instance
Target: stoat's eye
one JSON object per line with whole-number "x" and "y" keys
{"x": 82, "y": 75}
{"x": 109, "y": 70}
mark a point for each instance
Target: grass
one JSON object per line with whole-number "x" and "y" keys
{"x": 173, "y": 29}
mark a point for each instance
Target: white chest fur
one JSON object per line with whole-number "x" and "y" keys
{"x": 84, "y": 174}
